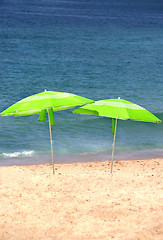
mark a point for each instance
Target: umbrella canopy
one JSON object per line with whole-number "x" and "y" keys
{"x": 46, "y": 102}
{"x": 118, "y": 109}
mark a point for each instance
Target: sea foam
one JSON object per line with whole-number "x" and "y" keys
{"x": 18, "y": 154}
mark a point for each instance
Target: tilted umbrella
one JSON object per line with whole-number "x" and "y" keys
{"x": 46, "y": 102}
{"x": 117, "y": 109}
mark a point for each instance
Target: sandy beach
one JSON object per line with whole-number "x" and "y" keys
{"x": 82, "y": 201}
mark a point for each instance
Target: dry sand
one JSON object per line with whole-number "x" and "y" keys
{"x": 82, "y": 201}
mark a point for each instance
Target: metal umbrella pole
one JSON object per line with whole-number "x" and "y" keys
{"x": 113, "y": 146}
{"x": 51, "y": 140}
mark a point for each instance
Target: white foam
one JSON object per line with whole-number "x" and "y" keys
{"x": 18, "y": 154}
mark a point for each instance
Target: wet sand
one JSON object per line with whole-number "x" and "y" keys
{"x": 82, "y": 201}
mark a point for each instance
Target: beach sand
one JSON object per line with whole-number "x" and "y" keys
{"x": 82, "y": 201}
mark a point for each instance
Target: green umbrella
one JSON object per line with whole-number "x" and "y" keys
{"x": 46, "y": 102}
{"x": 118, "y": 109}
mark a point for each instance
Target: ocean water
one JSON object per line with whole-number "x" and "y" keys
{"x": 96, "y": 49}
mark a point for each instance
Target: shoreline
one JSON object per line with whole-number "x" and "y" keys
{"x": 82, "y": 201}
{"x": 81, "y": 157}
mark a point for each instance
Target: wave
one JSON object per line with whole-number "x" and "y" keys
{"x": 17, "y": 154}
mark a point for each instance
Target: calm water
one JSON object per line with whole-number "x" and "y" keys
{"x": 96, "y": 49}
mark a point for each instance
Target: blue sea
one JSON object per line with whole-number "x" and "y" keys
{"x": 98, "y": 49}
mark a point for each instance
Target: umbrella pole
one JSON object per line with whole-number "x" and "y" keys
{"x": 51, "y": 141}
{"x": 113, "y": 146}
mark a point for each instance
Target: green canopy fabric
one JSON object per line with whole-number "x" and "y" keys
{"x": 118, "y": 109}
{"x": 46, "y": 102}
